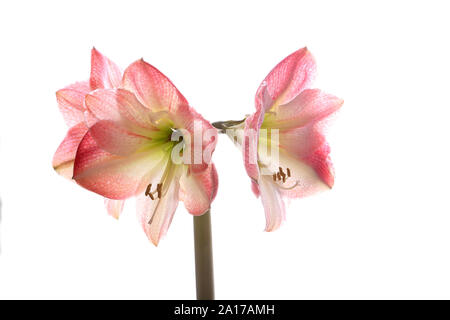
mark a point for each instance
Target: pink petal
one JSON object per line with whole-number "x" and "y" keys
{"x": 272, "y": 202}
{"x": 112, "y": 176}
{"x": 198, "y": 190}
{"x": 250, "y": 143}
{"x": 104, "y": 72}
{"x": 202, "y": 138}
{"x": 255, "y": 188}
{"x": 304, "y": 153}
{"x": 308, "y": 145}
{"x": 114, "y": 207}
{"x": 156, "y": 215}
{"x": 305, "y": 179}
{"x": 151, "y": 87}
{"x": 320, "y": 161}
{"x": 65, "y": 154}
{"x": 120, "y": 106}
{"x": 116, "y": 139}
{"x": 289, "y": 77}
{"x": 311, "y": 105}
{"x": 70, "y": 101}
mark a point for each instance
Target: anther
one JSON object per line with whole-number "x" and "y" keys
{"x": 278, "y": 176}
{"x": 148, "y": 189}
{"x": 288, "y": 172}
{"x": 158, "y": 189}
{"x": 283, "y": 175}
{"x": 274, "y": 177}
{"x": 148, "y": 193}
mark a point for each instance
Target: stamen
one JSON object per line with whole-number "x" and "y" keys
{"x": 288, "y": 172}
{"x": 278, "y": 176}
{"x": 274, "y": 177}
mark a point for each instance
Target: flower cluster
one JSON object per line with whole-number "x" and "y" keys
{"x": 134, "y": 134}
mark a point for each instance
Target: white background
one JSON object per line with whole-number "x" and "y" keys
{"x": 382, "y": 232}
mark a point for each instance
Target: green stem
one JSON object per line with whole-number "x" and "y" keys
{"x": 204, "y": 271}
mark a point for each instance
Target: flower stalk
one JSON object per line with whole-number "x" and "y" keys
{"x": 204, "y": 270}
{"x": 222, "y": 126}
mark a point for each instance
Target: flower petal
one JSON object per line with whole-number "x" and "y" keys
{"x": 120, "y": 106}
{"x": 116, "y": 139}
{"x": 156, "y": 215}
{"x": 304, "y": 151}
{"x": 255, "y": 188}
{"x": 308, "y": 144}
{"x": 272, "y": 202}
{"x": 311, "y": 105}
{"x": 152, "y": 87}
{"x": 104, "y": 72}
{"x": 65, "y": 154}
{"x": 70, "y": 101}
{"x": 289, "y": 77}
{"x": 114, "y": 207}
{"x": 200, "y": 137}
{"x": 198, "y": 190}
{"x": 112, "y": 176}
{"x": 250, "y": 143}
{"x": 304, "y": 176}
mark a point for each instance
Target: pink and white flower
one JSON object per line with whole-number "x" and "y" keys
{"x": 283, "y": 143}
{"x": 124, "y": 146}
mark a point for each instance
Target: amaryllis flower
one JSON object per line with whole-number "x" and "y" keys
{"x": 141, "y": 142}
{"x": 284, "y": 148}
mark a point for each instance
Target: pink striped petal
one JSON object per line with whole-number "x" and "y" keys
{"x": 115, "y": 139}
{"x": 104, "y": 72}
{"x": 112, "y": 176}
{"x": 273, "y": 203}
{"x": 156, "y": 215}
{"x": 65, "y": 154}
{"x": 114, "y": 207}
{"x": 198, "y": 190}
{"x": 311, "y": 105}
{"x": 120, "y": 106}
{"x": 70, "y": 101}
{"x": 290, "y": 77}
{"x": 152, "y": 87}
